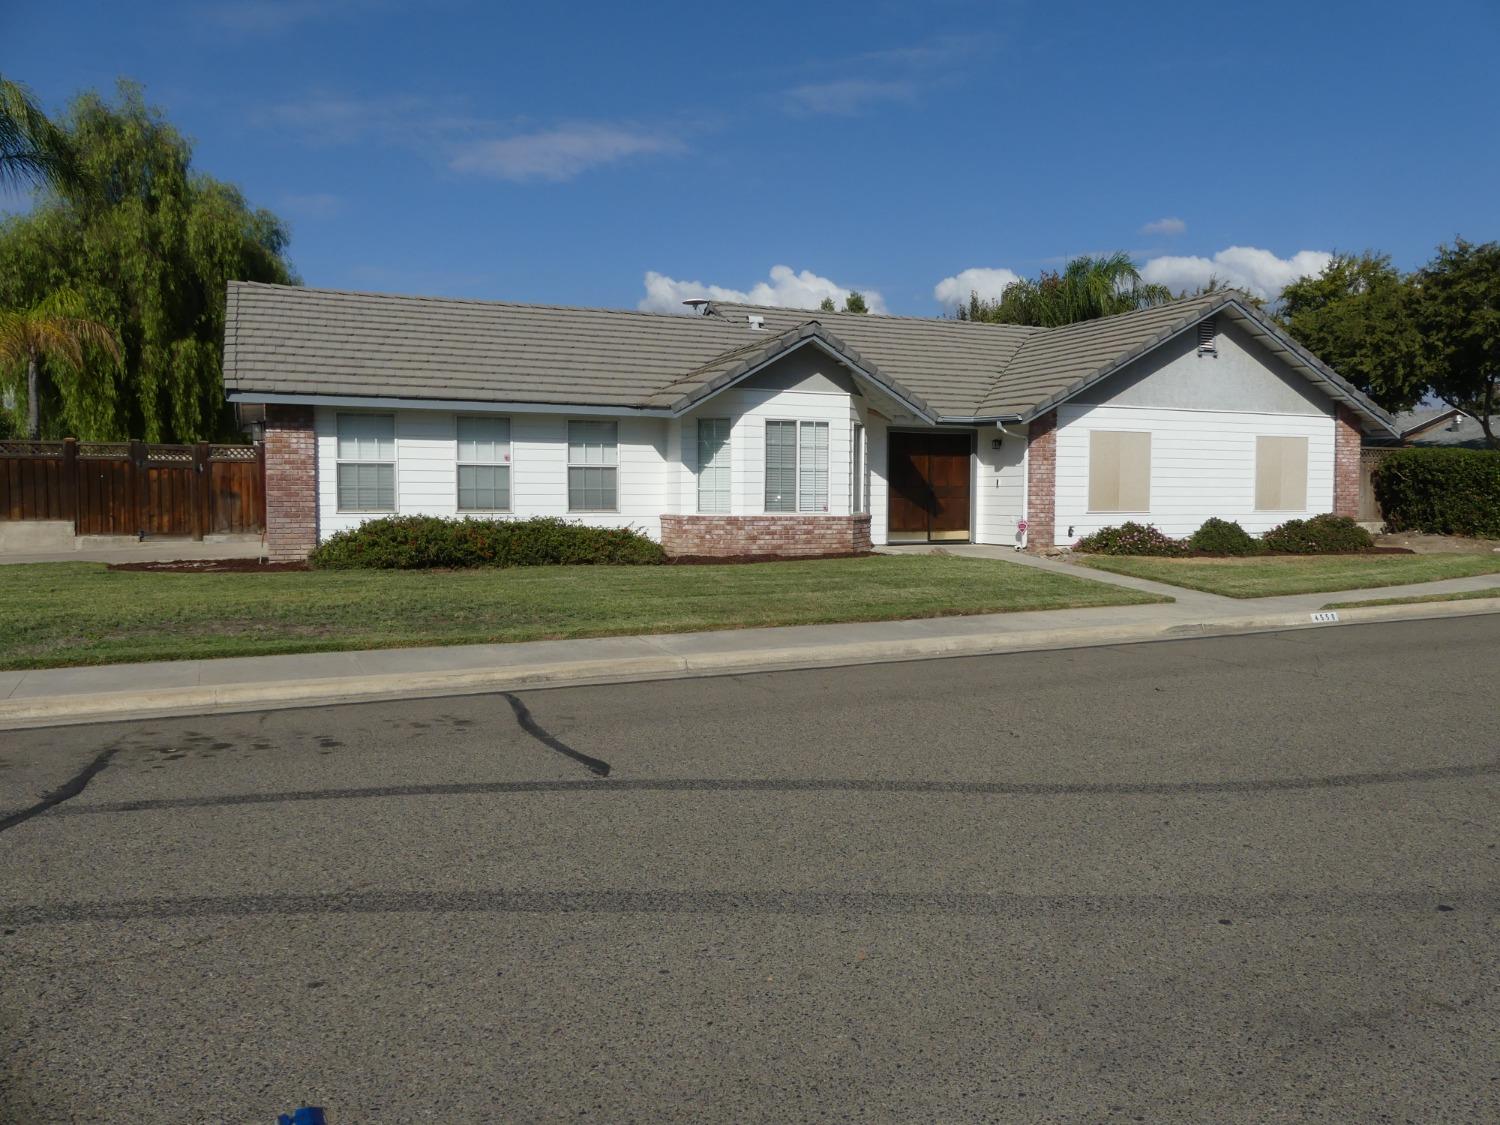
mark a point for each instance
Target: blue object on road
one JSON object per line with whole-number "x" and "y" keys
{"x": 302, "y": 1115}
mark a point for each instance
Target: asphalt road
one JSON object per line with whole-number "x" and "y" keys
{"x": 1244, "y": 879}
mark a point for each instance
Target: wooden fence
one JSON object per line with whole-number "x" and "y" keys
{"x": 132, "y": 488}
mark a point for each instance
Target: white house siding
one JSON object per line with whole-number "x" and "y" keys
{"x": 427, "y": 469}
{"x": 1000, "y": 486}
{"x": 1202, "y": 465}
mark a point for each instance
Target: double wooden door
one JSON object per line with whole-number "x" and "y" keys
{"x": 929, "y": 487}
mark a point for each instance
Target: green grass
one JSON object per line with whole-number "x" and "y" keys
{"x": 1287, "y": 574}
{"x": 58, "y": 614}
{"x": 1414, "y": 599}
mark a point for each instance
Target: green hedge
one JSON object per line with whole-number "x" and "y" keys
{"x": 1320, "y": 535}
{"x": 1130, "y": 538}
{"x": 1442, "y": 491}
{"x": 420, "y": 542}
{"x": 1223, "y": 537}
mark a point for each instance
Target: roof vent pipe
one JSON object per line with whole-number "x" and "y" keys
{"x": 757, "y": 322}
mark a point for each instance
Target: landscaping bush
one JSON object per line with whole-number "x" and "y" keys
{"x": 1441, "y": 491}
{"x": 1223, "y": 537}
{"x": 1130, "y": 539}
{"x": 419, "y": 542}
{"x": 1320, "y": 535}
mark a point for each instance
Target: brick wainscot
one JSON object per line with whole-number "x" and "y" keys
{"x": 764, "y": 535}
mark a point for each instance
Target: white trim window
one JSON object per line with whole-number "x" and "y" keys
{"x": 796, "y": 466}
{"x": 366, "y": 462}
{"x": 714, "y": 461}
{"x": 593, "y": 459}
{"x": 483, "y": 464}
{"x": 858, "y": 479}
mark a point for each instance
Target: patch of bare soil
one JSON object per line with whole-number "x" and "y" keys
{"x": 1422, "y": 544}
{"x": 214, "y": 566}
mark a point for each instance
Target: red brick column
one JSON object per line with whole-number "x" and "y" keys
{"x": 291, "y": 483}
{"x": 1041, "y": 482}
{"x": 1346, "y": 446}
{"x": 765, "y": 535}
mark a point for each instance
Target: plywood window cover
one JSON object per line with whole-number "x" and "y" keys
{"x": 1119, "y": 471}
{"x": 1280, "y": 473}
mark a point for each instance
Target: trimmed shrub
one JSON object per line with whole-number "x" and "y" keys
{"x": 419, "y": 542}
{"x": 1223, "y": 537}
{"x": 1441, "y": 491}
{"x": 1130, "y": 539}
{"x": 1320, "y": 535}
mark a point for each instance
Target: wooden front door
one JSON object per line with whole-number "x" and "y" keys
{"x": 929, "y": 487}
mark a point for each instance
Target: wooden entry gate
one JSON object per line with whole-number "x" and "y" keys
{"x": 134, "y": 488}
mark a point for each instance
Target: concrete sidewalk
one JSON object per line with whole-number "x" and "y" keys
{"x": 75, "y": 695}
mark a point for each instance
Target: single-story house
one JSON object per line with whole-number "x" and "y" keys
{"x": 742, "y": 429}
{"x": 1443, "y": 426}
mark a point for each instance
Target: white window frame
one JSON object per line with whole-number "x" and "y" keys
{"x": 459, "y": 463}
{"x": 727, "y": 467}
{"x": 859, "y": 484}
{"x": 612, "y": 465}
{"x": 340, "y": 461}
{"x": 797, "y": 467}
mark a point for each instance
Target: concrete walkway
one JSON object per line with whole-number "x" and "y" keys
{"x": 72, "y": 695}
{"x": 128, "y": 549}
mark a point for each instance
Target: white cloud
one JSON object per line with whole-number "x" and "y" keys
{"x": 846, "y": 97}
{"x": 1168, "y": 225}
{"x": 988, "y": 282}
{"x": 1245, "y": 267}
{"x": 559, "y": 154}
{"x": 787, "y": 288}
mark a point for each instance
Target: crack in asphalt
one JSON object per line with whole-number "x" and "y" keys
{"x": 811, "y": 785}
{"x": 595, "y": 766}
{"x": 1205, "y": 909}
{"x": 64, "y": 792}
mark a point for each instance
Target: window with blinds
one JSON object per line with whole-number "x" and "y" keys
{"x": 1119, "y": 471}
{"x": 713, "y": 465}
{"x": 1280, "y": 474}
{"x": 812, "y": 467}
{"x": 484, "y": 464}
{"x": 781, "y": 466}
{"x": 592, "y": 460}
{"x": 366, "y": 458}
{"x": 796, "y": 466}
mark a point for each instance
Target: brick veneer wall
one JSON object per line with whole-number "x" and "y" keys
{"x": 764, "y": 535}
{"x": 1346, "y": 474}
{"x": 291, "y": 483}
{"x": 1041, "y": 482}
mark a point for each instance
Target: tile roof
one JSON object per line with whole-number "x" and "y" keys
{"x": 293, "y": 341}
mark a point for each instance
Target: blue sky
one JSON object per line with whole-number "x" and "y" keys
{"x": 611, "y": 154}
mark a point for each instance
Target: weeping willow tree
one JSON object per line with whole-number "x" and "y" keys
{"x": 148, "y": 245}
{"x": 1086, "y": 289}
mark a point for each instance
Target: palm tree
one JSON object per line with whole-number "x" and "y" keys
{"x": 1086, "y": 289}
{"x": 57, "y": 329}
{"x": 32, "y": 149}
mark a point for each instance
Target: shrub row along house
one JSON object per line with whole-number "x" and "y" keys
{"x": 745, "y": 429}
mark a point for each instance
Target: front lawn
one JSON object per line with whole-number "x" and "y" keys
{"x": 57, "y": 614}
{"x": 1295, "y": 574}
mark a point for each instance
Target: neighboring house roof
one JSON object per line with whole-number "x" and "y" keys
{"x": 1410, "y": 422}
{"x": 297, "y": 343}
{"x": 1451, "y": 428}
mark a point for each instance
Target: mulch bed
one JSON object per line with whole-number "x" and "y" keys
{"x": 214, "y": 566}
{"x": 733, "y": 560}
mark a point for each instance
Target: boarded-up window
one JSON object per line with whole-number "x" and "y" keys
{"x": 1119, "y": 471}
{"x": 1281, "y": 474}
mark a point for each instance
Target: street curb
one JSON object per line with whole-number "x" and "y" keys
{"x": 271, "y": 695}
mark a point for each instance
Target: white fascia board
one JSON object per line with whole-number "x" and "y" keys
{"x": 817, "y": 342}
{"x": 376, "y": 402}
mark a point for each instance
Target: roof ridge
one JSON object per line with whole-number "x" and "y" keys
{"x": 874, "y": 316}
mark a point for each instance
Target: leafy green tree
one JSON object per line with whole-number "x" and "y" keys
{"x": 1457, "y": 308}
{"x": 1086, "y": 289}
{"x": 33, "y": 151}
{"x": 855, "y": 302}
{"x": 827, "y": 305}
{"x": 150, "y": 246}
{"x": 56, "y": 331}
{"x": 1358, "y": 316}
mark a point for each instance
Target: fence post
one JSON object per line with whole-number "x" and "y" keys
{"x": 70, "y": 480}
{"x": 200, "y": 491}
{"x": 140, "y": 487}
